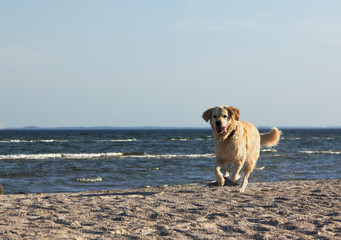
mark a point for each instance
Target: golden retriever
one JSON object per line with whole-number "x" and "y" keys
{"x": 236, "y": 142}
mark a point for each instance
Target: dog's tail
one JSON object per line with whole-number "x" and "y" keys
{"x": 271, "y": 138}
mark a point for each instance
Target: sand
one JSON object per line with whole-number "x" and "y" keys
{"x": 276, "y": 210}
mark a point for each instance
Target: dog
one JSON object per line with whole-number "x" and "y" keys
{"x": 236, "y": 142}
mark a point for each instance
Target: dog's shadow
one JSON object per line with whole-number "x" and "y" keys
{"x": 228, "y": 182}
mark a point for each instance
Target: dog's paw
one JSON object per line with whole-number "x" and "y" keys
{"x": 221, "y": 182}
{"x": 241, "y": 189}
{"x": 235, "y": 178}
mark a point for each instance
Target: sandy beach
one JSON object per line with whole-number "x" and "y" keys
{"x": 275, "y": 210}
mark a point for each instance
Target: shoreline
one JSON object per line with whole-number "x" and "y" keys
{"x": 304, "y": 209}
{"x": 212, "y": 183}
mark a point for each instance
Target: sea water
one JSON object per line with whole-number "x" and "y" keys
{"x": 34, "y": 161}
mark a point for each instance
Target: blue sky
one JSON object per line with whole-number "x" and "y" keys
{"x": 162, "y": 63}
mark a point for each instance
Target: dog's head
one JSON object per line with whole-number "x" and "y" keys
{"x": 221, "y": 117}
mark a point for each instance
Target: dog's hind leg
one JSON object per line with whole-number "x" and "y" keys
{"x": 218, "y": 175}
{"x": 248, "y": 168}
{"x": 237, "y": 167}
{"x": 228, "y": 170}
{"x": 245, "y": 182}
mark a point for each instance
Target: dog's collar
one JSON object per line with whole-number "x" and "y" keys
{"x": 232, "y": 133}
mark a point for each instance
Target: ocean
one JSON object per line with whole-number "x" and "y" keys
{"x": 51, "y": 161}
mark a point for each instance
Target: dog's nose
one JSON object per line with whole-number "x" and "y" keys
{"x": 218, "y": 123}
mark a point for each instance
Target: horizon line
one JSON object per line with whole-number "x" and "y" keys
{"x": 151, "y": 127}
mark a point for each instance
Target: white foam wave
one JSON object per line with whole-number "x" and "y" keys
{"x": 16, "y": 141}
{"x": 189, "y": 139}
{"x": 56, "y": 140}
{"x": 91, "y": 155}
{"x": 180, "y": 139}
{"x": 72, "y": 156}
{"x": 60, "y": 155}
{"x": 123, "y": 140}
{"x": 321, "y": 152}
{"x": 116, "y": 140}
{"x": 31, "y": 141}
{"x": 268, "y": 150}
{"x": 88, "y": 180}
{"x": 154, "y": 168}
{"x": 168, "y": 156}
{"x": 311, "y": 138}
{"x": 30, "y": 156}
{"x": 46, "y": 140}
{"x": 290, "y": 138}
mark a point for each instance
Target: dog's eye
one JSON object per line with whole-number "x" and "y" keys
{"x": 215, "y": 116}
{"x": 225, "y": 116}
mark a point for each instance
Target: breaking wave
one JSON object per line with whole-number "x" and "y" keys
{"x": 58, "y": 140}
{"x": 108, "y": 155}
{"x": 90, "y": 180}
{"x": 321, "y": 152}
{"x": 268, "y": 150}
{"x": 118, "y": 140}
{"x": 60, "y": 155}
{"x": 190, "y": 139}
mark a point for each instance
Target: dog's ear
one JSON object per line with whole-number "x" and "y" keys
{"x": 235, "y": 112}
{"x": 207, "y": 114}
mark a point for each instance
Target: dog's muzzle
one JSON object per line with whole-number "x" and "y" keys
{"x": 219, "y": 127}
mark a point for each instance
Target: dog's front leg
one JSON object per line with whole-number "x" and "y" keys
{"x": 218, "y": 175}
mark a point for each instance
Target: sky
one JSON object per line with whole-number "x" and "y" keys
{"x": 69, "y": 63}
